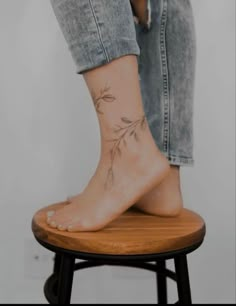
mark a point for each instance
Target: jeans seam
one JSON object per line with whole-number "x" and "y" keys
{"x": 164, "y": 65}
{"x": 98, "y": 30}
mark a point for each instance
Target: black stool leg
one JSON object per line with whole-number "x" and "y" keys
{"x": 65, "y": 279}
{"x": 183, "y": 285}
{"x": 161, "y": 282}
{"x": 57, "y": 263}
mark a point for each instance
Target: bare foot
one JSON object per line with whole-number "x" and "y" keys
{"x": 163, "y": 200}
{"x": 138, "y": 167}
{"x": 166, "y": 198}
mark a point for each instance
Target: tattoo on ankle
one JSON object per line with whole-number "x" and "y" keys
{"x": 128, "y": 128}
{"x": 104, "y": 96}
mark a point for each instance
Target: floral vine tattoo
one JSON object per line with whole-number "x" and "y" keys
{"x": 128, "y": 128}
{"x": 104, "y": 96}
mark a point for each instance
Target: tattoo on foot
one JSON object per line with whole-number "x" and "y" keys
{"x": 129, "y": 129}
{"x": 104, "y": 96}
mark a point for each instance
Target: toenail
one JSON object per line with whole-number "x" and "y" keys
{"x": 60, "y": 227}
{"x": 53, "y": 224}
{"x": 69, "y": 228}
{"x": 48, "y": 220}
{"x": 50, "y": 213}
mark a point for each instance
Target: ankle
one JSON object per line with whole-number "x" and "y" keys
{"x": 128, "y": 135}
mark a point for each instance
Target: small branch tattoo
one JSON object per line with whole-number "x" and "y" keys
{"x": 104, "y": 96}
{"x": 128, "y": 129}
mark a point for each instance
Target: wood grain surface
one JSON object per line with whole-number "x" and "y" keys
{"x": 132, "y": 233}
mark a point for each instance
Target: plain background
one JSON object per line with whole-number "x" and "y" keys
{"x": 49, "y": 149}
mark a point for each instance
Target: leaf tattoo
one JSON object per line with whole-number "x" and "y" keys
{"x": 104, "y": 96}
{"x": 127, "y": 128}
{"x": 126, "y": 120}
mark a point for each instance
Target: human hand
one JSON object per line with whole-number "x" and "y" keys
{"x": 140, "y": 10}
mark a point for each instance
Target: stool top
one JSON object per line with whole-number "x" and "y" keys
{"x": 131, "y": 233}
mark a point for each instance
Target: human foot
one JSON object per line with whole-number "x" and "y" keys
{"x": 166, "y": 198}
{"x": 163, "y": 200}
{"x": 131, "y": 176}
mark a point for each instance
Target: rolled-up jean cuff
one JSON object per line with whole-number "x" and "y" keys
{"x": 179, "y": 160}
{"x": 116, "y": 49}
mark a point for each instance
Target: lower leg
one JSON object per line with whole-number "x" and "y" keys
{"x": 130, "y": 163}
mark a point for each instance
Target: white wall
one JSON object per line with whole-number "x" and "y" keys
{"x": 50, "y": 144}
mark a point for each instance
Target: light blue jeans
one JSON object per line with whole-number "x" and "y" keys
{"x": 98, "y": 31}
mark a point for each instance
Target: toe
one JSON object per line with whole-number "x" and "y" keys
{"x": 48, "y": 220}
{"x": 53, "y": 224}
{"x": 50, "y": 213}
{"x": 70, "y": 228}
{"x": 74, "y": 225}
{"x": 61, "y": 227}
{"x": 63, "y": 224}
{"x": 60, "y": 220}
{"x": 80, "y": 225}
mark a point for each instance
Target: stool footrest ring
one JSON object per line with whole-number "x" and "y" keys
{"x": 50, "y": 289}
{"x": 51, "y": 284}
{"x": 141, "y": 265}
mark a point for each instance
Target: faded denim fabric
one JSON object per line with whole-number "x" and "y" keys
{"x": 98, "y": 31}
{"x": 167, "y": 72}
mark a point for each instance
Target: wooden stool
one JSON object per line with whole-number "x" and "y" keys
{"x": 133, "y": 240}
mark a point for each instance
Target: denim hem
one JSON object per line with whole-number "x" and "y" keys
{"x": 116, "y": 49}
{"x": 179, "y": 160}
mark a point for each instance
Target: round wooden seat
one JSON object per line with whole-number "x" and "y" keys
{"x": 132, "y": 233}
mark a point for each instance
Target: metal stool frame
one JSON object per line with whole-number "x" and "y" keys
{"x": 58, "y": 287}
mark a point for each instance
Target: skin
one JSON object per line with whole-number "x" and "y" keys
{"x": 130, "y": 163}
{"x": 140, "y": 10}
{"x": 164, "y": 200}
